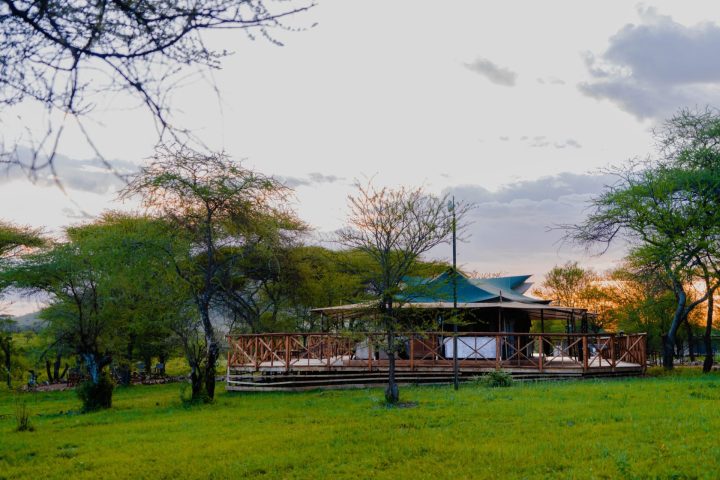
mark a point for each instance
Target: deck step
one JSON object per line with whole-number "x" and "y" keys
{"x": 331, "y": 380}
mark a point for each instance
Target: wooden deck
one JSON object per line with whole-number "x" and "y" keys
{"x": 284, "y": 361}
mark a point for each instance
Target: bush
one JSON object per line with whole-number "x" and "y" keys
{"x": 22, "y": 416}
{"x": 96, "y": 396}
{"x": 498, "y": 378}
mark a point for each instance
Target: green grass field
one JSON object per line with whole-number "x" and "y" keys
{"x": 663, "y": 427}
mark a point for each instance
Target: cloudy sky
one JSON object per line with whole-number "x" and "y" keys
{"x": 514, "y": 105}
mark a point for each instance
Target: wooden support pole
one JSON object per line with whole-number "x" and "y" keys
{"x": 541, "y": 352}
{"x": 585, "y": 352}
{"x": 612, "y": 351}
{"x": 643, "y": 348}
{"x": 497, "y": 352}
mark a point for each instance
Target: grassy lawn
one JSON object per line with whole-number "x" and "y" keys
{"x": 662, "y": 427}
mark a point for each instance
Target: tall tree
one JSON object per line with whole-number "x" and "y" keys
{"x": 259, "y": 283}
{"x": 691, "y": 141}
{"x": 220, "y": 208}
{"x": 395, "y": 227}
{"x": 568, "y": 284}
{"x": 668, "y": 210}
{"x": 100, "y": 283}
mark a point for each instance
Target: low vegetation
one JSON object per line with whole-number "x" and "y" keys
{"x": 628, "y": 428}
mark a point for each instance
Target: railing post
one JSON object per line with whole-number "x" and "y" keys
{"x": 612, "y": 351}
{"x": 328, "y": 350}
{"x": 497, "y": 352}
{"x": 287, "y": 353}
{"x": 585, "y": 352}
{"x": 370, "y": 353}
{"x": 627, "y": 347}
{"x": 541, "y": 352}
{"x": 412, "y": 351}
{"x": 229, "y": 357}
{"x": 257, "y": 360}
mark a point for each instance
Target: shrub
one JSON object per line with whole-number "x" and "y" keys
{"x": 498, "y": 378}
{"x": 95, "y": 396}
{"x": 22, "y": 416}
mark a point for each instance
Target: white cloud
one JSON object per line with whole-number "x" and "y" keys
{"x": 656, "y": 67}
{"x": 92, "y": 176}
{"x": 512, "y": 228}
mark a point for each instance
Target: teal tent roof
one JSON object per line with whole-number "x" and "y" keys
{"x": 440, "y": 289}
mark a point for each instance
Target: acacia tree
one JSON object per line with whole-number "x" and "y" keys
{"x": 574, "y": 286}
{"x": 218, "y": 207}
{"x": 260, "y": 281}
{"x": 64, "y": 56}
{"x": 394, "y": 228}
{"x": 568, "y": 284}
{"x": 142, "y": 290}
{"x": 667, "y": 209}
{"x": 12, "y": 239}
{"x": 69, "y": 275}
{"x": 641, "y": 301}
{"x": 6, "y": 349}
{"x": 691, "y": 141}
{"x": 101, "y": 283}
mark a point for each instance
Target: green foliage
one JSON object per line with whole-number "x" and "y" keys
{"x": 496, "y": 379}
{"x": 113, "y": 291}
{"x": 580, "y": 429}
{"x": 14, "y": 236}
{"x": 569, "y": 285}
{"x": 669, "y": 209}
{"x": 96, "y": 396}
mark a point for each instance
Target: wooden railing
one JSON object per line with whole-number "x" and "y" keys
{"x": 416, "y": 350}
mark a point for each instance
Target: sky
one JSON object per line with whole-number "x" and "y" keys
{"x": 516, "y": 106}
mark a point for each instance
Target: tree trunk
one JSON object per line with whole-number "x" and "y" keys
{"x": 691, "y": 339}
{"x": 392, "y": 392}
{"x": 48, "y": 371}
{"x": 709, "y": 355}
{"x": 64, "y": 372}
{"x": 212, "y": 352}
{"x": 196, "y": 381}
{"x": 56, "y": 366}
{"x": 5, "y": 345}
{"x": 96, "y": 393}
{"x": 147, "y": 361}
{"x": 669, "y": 347}
{"x": 92, "y": 366}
